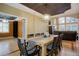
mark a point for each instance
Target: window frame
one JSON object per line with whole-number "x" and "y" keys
{"x": 8, "y": 28}
{"x": 60, "y": 20}
{"x": 71, "y": 18}
{"x": 66, "y": 23}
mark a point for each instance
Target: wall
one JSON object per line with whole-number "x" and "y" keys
{"x": 40, "y": 26}
{"x": 35, "y": 23}
{"x": 20, "y": 28}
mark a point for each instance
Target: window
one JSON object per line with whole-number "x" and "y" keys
{"x": 72, "y": 27}
{"x": 55, "y": 24}
{"x": 68, "y": 24}
{"x": 61, "y": 27}
{"x": 0, "y": 26}
{"x": 71, "y": 20}
{"x": 61, "y": 24}
{"x": 68, "y": 27}
{"x": 4, "y": 26}
{"x": 61, "y": 20}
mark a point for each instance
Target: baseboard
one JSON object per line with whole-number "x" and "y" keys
{"x": 1, "y": 38}
{"x": 19, "y": 37}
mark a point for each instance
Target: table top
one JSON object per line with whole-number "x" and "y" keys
{"x": 43, "y": 41}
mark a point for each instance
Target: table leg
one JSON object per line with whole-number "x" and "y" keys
{"x": 43, "y": 51}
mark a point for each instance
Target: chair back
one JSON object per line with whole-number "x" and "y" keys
{"x": 31, "y": 44}
{"x": 55, "y": 42}
{"x": 19, "y": 44}
{"x": 31, "y": 48}
{"x": 61, "y": 36}
{"x": 21, "y": 47}
{"x": 60, "y": 40}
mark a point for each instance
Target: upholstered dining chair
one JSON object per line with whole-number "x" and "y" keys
{"x": 60, "y": 37}
{"x": 29, "y": 48}
{"x": 32, "y": 48}
{"x": 52, "y": 48}
{"x": 21, "y": 48}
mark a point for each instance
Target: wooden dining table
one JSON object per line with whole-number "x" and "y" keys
{"x": 43, "y": 42}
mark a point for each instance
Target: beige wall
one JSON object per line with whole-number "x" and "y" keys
{"x": 40, "y": 25}
{"x": 35, "y": 23}
{"x": 20, "y": 28}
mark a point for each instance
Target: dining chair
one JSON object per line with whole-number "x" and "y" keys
{"x": 21, "y": 48}
{"x": 60, "y": 37}
{"x": 52, "y": 48}
{"x": 29, "y": 48}
{"x": 77, "y": 37}
{"x": 32, "y": 48}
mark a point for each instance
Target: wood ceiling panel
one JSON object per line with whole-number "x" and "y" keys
{"x": 49, "y": 8}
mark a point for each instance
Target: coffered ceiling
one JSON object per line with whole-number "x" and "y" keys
{"x": 49, "y": 8}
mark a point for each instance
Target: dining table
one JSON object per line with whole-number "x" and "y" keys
{"x": 43, "y": 42}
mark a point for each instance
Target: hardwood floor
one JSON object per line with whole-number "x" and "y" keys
{"x": 70, "y": 48}
{"x": 9, "y": 47}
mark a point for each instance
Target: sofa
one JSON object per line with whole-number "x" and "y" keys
{"x": 67, "y": 35}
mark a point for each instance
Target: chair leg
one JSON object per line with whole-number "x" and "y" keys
{"x": 49, "y": 54}
{"x": 38, "y": 53}
{"x": 59, "y": 48}
{"x": 20, "y": 54}
{"x": 55, "y": 52}
{"x": 52, "y": 53}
